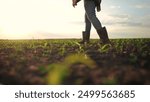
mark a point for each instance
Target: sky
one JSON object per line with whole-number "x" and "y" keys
{"x": 46, "y": 19}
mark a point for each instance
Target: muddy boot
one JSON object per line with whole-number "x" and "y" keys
{"x": 86, "y": 38}
{"x": 103, "y": 36}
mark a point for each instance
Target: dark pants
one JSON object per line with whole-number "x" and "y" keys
{"x": 90, "y": 16}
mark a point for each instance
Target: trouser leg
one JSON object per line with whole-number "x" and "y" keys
{"x": 89, "y": 6}
{"x": 86, "y": 33}
{"x": 91, "y": 14}
{"x": 87, "y": 28}
{"x": 87, "y": 25}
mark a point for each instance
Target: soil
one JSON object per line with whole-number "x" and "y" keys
{"x": 128, "y": 66}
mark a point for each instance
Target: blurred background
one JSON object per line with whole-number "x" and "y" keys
{"x": 46, "y": 19}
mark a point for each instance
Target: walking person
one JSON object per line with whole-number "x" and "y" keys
{"x": 90, "y": 18}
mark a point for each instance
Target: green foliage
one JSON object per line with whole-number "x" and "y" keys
{"x": 105, "y": 48}
{"x": 81, "y": 47}
{"x": 59, "y": 71}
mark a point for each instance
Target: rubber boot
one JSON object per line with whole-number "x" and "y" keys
{"x": 103, "y": 35}
{"x": 86, "y": 38}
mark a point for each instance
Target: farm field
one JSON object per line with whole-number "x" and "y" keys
{"x": 65, "y": 61}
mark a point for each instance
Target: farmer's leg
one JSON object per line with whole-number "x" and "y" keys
{"x": 89, "y": 6}
{"x": 87, "y": 25}
{"x": 86, "y": 33}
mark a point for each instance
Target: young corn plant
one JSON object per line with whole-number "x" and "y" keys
{"x": 57, "y": 72}
{"x": 105, "y": 48}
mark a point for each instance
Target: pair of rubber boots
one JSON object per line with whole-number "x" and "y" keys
{"x": 102, "y": 34}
